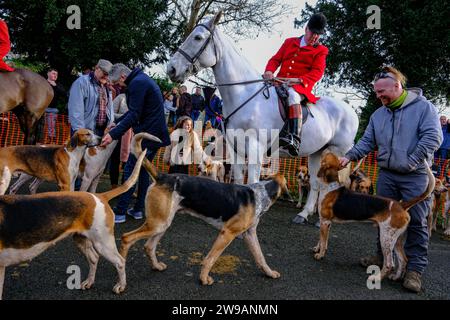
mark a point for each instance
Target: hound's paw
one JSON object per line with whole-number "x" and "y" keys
{"x": 447, "y": 232}
{"x": 119, "y": 288}
{"x": 299, "y": 205}
{"x": 160, "y": 266}
{"x": 207, "y": 281}
{"x": 87, "y": 284}
{"x": 395, "y": 276}
{"x": 274, "y": 274}
{"x": 316, "y": 249}
{"x": 318, "y": 256}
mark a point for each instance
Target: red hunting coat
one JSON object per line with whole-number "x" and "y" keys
{"x": 5, "y": 45}
{"x": 306, "y": 63}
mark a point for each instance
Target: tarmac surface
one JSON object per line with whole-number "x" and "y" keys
{"x": 287, "y": 248}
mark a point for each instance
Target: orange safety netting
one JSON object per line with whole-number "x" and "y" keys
{"x": 55, "y": 129}
{"x": 51, "y": 129}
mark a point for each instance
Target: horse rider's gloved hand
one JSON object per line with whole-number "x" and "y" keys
{"x": 268, "y": 75}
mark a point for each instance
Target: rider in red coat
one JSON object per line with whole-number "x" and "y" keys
{"x": 304, "y": 59}
{"x": 5, "y": 46}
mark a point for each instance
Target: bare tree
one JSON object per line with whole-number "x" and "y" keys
{"x": 241, "y": 17}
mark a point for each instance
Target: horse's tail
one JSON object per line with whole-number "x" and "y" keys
{"x": 136, "y": 149}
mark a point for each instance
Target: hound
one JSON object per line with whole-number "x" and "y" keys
{"x": 360, "y": 181}
{"x": 32, "y": 223}
{"x": 303, "y": 183}
{"x": 234, "y": 209}
{"x": 51, "y": 163}
{"x": 440, "y": 197}
{"x": 342, "y": 205}
{"x": 214, "y": 169}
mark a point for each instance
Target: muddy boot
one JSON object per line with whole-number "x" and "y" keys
{"x": 375, "y": 260}
{"x": 290, "y": 143}
{"x": 413, "y": 281}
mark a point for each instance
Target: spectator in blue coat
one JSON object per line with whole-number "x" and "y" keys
{"x": 442, "y": 152}
{"x": 145, "y": 114}
{"x": 213, "y": 110}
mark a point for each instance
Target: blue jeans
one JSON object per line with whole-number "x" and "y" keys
{"x": 143, "y": 184}
{"x": 195, "y": 114}
{"x": 406, "y": 187}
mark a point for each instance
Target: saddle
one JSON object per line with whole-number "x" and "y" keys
{"x": 283, "y": 104}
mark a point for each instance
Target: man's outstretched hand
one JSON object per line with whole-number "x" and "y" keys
{"x": 106, "y": 140}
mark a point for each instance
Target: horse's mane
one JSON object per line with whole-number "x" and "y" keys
{"x": 229, "y": 43}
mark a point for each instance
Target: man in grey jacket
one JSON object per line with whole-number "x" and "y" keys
{"x": 407, "y": 132}
{"x": 90, "y": 101}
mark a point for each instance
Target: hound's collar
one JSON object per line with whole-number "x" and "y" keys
{"x": 333, "y": 186}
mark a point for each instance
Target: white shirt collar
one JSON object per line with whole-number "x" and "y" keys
{"x": 303, "y": 42}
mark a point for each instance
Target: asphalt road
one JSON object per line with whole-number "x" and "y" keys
{"x": 287, "y": 248}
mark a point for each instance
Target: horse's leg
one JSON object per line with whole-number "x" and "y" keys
{"x": 31, "y": 121}
{"x": 38, "y": 96}
{"x": 255, "y": 158}
{"x": 238, "y": 173}
{"x": 313, "y": 195}
{"x": 28, "y": 123}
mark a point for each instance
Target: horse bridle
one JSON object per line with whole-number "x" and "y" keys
{"x": 193, "y": 60}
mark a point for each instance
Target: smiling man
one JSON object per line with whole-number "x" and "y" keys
{"x": 406, "y": 131}
{"x": 301, "y": 58}
{"x": 90, "y": 100}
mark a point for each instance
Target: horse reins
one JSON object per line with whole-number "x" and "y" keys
{"x": 193, "y": 60}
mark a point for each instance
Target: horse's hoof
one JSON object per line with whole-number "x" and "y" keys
{"x": 299, "y": 220}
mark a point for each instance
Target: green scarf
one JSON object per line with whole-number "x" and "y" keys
{"x": 397, "y": 103}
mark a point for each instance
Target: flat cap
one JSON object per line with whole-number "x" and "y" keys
{"x": 105, "y": 65}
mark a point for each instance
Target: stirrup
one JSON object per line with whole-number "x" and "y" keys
{"x": 290, "y": 145}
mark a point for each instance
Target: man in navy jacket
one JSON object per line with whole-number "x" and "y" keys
{"x": 145, "y": 114}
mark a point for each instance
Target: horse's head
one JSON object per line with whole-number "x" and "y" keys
{"x": 197, "y": 52}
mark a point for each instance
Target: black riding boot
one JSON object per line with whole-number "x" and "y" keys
{"x": 291, "y": 142}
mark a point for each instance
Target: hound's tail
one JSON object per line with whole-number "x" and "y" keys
{"x": 136, "y": 148}
{"x": 130, "y": 181}
{"x": 431, "y": 182}
{"x": 358, "y": 165}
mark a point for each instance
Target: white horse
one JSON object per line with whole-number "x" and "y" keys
{"x": 333, "y": 124}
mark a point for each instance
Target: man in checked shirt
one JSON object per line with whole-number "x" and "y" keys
{"x": 90, "y": 101}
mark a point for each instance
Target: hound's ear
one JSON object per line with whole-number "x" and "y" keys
{"x": 73, "y": 142}
{"x": 320, "y": 173}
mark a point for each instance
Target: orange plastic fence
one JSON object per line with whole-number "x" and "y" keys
{"x": 52, "y": 129}
{"x": 55, "y": 129}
